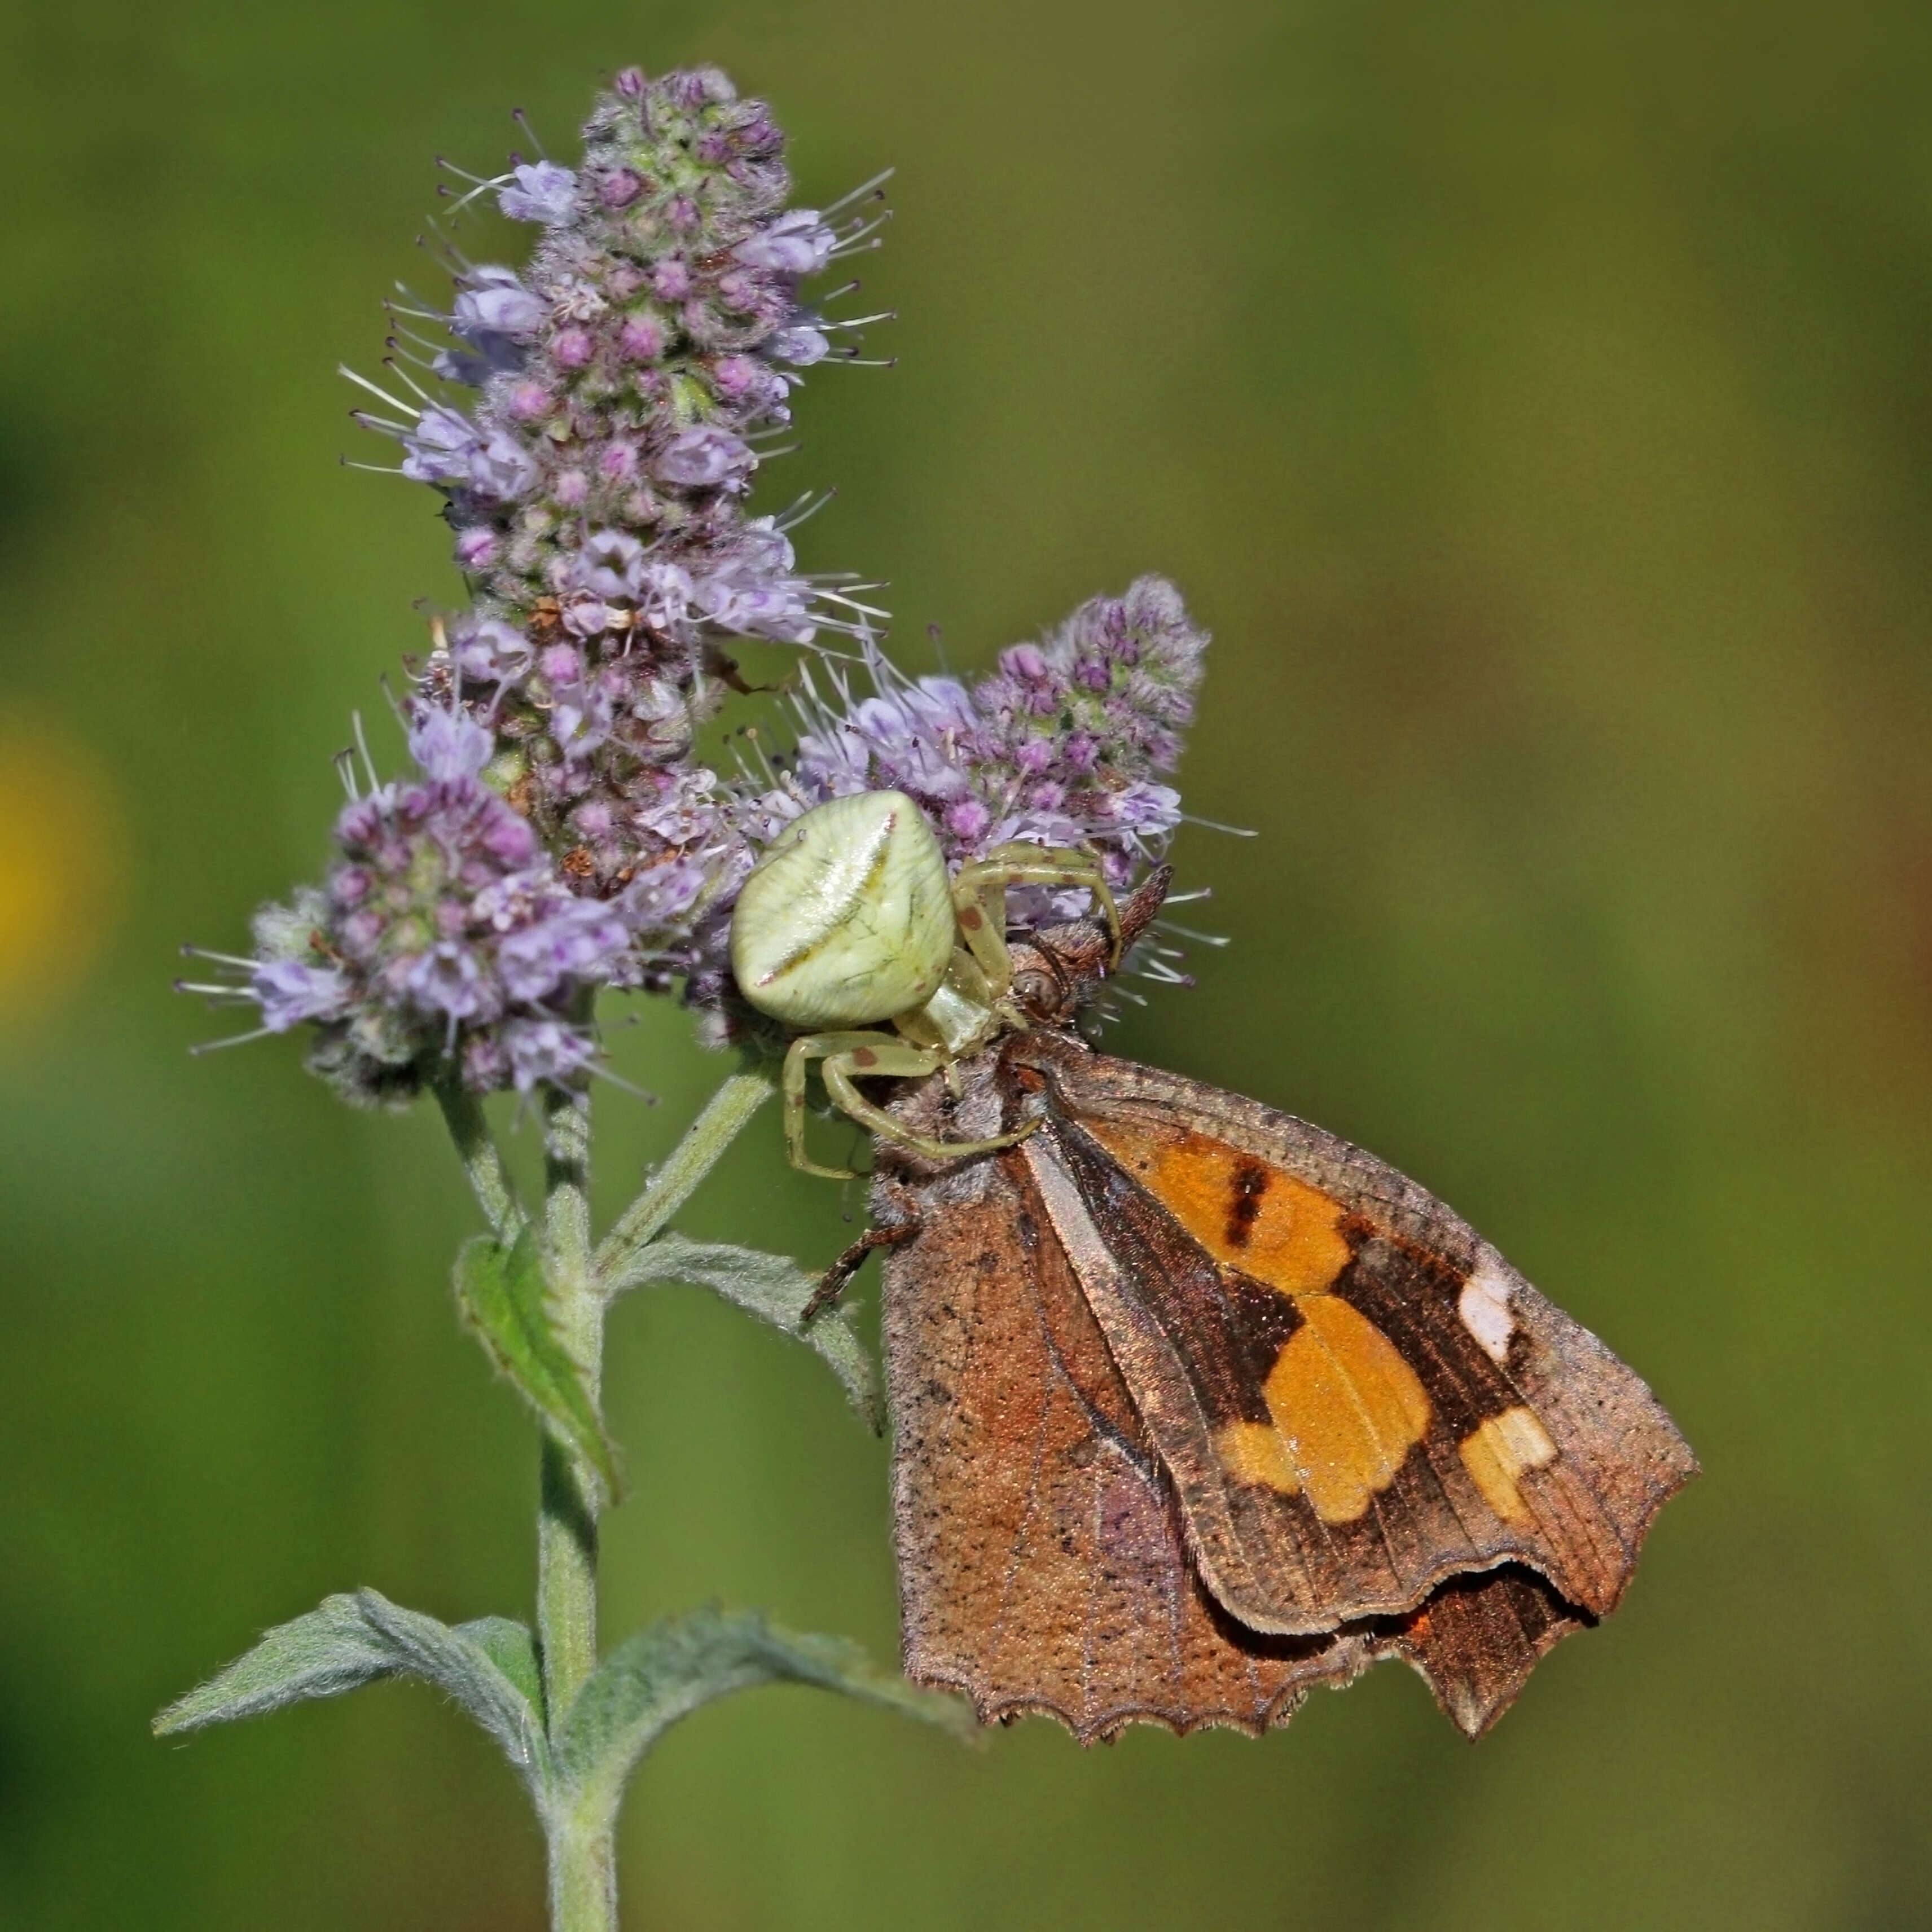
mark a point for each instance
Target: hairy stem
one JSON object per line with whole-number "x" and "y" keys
{"x": 583, "y": 1861}
{"x": 724, "y": 1115}
{"x": 482, "y": 1162}
{"x": 582, "y": 1866}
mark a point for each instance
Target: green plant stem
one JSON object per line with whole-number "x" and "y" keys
{"x": 705, "y": 1140}
{"x": 476, "y": 1148}
{"x": 579, "y": 1828}
{"x": 583, "y": 1862}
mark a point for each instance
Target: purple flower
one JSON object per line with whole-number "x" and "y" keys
{"x": 611, "y": 563}
{"x": 292, "y": 991}
{"x": 585, "y": 616}
{"x": 446, "y": 943}
{"x": 579, "y": 939}
{"x": 493, "y": 302}
{"x": 1043, "y": 751}
{"x": 449, "y": 746}
{"x": 704, "y": 458}
{"x": 741, "y": 599}
{"x": 580, "y": 718}
{"x": 754, "y": 593}
{"x": 620, "y": 187}
{"x": 624, "y": 377}
{"x": 661, "y": 897}
{"x": 641, "y": 339}
{"x": 546, "y": 1052}
{"x": 488, "y": 650}
{"x": 476, "y": 550}
{"x": 671, "y": 279}
{"x": 617, "y": 461}
{"x": 801, "y": 345}
{"x": 489, "y": 356}
{"x": 441, "y": 447}
{"x": 503, "y": 468}
{"x": 530, "y": 402}
{"x": 796, "y": 243}
{"x": 540, "y": 191}
{"x": 446, "y": 981}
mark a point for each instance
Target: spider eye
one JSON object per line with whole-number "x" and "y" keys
{"x": 848, "y": 919}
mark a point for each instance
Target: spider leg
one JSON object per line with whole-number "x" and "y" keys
{"x": 897, "y": 1059}
{"x": 979, "y": 904}
{"x": 799, "y": 1057}
{"x": 982, "y": 884}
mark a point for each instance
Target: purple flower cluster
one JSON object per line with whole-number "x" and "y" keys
{"x": 445, "y": 944}
{"x": 1062, "y": 745}
{"x": 627, "y": 379}
{"x": 557, "y": 836}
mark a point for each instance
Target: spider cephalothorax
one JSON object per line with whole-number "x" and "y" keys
{"x": 850, "y": 925}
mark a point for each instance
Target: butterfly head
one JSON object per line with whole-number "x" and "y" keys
{"x": 1057, "y": 971}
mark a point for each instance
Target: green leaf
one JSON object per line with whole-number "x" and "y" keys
{"x": 504, "y": 1298}
{"x": 665, "y": 1673}
{"x": 458, "y": 1663}
{"x": 773, "y": 1288}
{"x": 511, "y": 1648}
{"x": 329, "y": 1651}
{"x": 489, "y": 1667}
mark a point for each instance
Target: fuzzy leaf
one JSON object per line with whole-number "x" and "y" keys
{"x": 489, "y": 1667}
{"x": 463, "y": 1667}
{"x": 776, "y": 1289}
{"x": 329, "y": 1651}
{"x": 665, "y": 1673}
{"x": 504, "y": 1296}
{"x": 510, "y": 1647}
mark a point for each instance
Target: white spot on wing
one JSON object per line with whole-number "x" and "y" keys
{"x": 1485, "y": 1309}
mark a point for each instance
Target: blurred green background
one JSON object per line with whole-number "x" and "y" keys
{"x": 1535, "y": 399}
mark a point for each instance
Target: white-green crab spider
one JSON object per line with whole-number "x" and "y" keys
{"x": 850, "y": 921}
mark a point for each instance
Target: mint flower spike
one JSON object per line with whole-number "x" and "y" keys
{"x": 1063, "y": 744}
{"x": 445, "y": 946}
{"x": 623, "y": 389}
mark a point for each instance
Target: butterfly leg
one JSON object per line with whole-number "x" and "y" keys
{"x": 833, "y": 1283}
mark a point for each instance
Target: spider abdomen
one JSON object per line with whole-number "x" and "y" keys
{"x": 847, "y": 920}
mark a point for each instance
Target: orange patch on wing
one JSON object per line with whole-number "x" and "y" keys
{"x": 1246, "y": 1213}
{"x": 1258, "y": 1452}
{"x": 1499, "y": 1450}
{"x": 1346, "y": 1411}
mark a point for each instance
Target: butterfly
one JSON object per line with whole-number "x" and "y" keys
{"x": 1194, "y": 1406}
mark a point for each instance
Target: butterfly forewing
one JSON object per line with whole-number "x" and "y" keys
{"x": 1353, "y": 1396}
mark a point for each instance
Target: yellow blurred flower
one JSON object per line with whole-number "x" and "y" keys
{"x": 62, "y": 870}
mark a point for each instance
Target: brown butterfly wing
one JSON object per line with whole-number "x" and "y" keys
{"x": 1041, "y": 1563}
{"x": 1354, "y": 1398}
{"x": 1476, "y": 1638}
{"x": 1043, "y": 1566}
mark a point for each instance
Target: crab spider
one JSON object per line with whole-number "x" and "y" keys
{"x": 849, "y": 924}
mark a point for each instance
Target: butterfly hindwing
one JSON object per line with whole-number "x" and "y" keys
{"x": 1041, "y": 1560}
